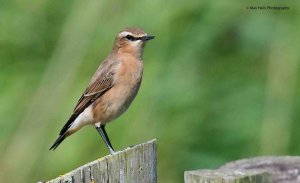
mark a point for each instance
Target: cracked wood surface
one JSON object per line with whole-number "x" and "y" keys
{"x": 272, "y": 169}
{"x": 136, "y": 164}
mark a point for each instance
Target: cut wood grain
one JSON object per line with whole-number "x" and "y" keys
{"x": 280, "y": 169}
{"x": 136, "y": 164}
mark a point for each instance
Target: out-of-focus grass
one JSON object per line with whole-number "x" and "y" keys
{"x": 220, "y": 82}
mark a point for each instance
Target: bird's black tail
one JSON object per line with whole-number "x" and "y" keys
{"x": 57, "y": 142}
{"x": 63, "y": 132}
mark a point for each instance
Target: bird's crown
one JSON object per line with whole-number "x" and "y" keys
{"x": 133, "y": 31}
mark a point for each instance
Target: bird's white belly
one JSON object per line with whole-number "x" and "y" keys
{"x": 86, "y": 117}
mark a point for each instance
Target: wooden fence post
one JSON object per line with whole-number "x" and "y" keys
{"x": 226, "y": 176}
{"x": 280, "y": 169}
{"x": 136, "y": 164}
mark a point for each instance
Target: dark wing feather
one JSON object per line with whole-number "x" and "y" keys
{"x": 101, "y": 82}
{"x": 94, "y": 91}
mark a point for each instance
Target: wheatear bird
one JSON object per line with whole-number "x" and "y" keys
{"x": 112, "y": 88}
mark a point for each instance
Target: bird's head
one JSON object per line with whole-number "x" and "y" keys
{"x": 131, "y": 41}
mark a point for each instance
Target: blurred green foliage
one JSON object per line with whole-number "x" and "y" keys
{"x": 220, "y": 83}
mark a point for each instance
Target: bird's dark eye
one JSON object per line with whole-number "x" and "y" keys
{"x": 130, "y": 37}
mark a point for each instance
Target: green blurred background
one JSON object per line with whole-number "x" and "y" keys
{"x": 220, "y": 82}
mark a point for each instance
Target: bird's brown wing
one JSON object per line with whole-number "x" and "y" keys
{"x": 93, "y": 91}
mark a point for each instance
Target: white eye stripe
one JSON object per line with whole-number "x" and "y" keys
{"x": 124, "y": 33}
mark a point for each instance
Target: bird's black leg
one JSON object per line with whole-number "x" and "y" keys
{"x": 104, "y": 136}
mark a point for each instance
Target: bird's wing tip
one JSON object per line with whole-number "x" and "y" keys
{"x": 57, "y": 142}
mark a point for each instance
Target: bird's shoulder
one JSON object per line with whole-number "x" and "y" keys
{"x": 102, "y": 80}
{"x": 107, "y": 68}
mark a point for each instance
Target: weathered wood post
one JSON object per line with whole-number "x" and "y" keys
{"x": 281, "y": 169}
{"x": 136, "y": 164}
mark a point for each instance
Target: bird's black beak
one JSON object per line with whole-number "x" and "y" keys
{"x": 147, "y": 38}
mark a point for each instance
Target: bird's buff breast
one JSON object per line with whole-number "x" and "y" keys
{"x": 117, "y": 100}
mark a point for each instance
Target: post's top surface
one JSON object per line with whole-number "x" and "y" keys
{"x": 116, "y": 167}
{"x": 279, "y": 169}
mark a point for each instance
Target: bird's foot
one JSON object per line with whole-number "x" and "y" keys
{"x": 112, "y": 152}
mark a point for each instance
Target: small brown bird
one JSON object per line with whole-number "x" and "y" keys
{"x": 112, "y": 88}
